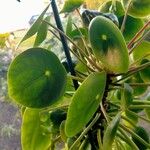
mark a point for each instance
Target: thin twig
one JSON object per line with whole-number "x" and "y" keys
{"x": 85, "y": 131}
{"x": 139, "y": 42}
{"x": 125, "y": 16}
{"x": 130, "y": 44}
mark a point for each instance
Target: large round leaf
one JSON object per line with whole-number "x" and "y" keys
{"x": 32, "y": 137}
{"x": 109, "y": 45}
{"x": 36, "y": 78}
{"x": 85, "y": 103}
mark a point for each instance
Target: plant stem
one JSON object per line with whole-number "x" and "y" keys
{"x": 85, "y": 131}
{"x": 133, "y": 71}
{"x": 139, "y": 42}
{"x": 139, "y": 106}
{"x": 76, "y": 78}
{"x": 133, "y": 84}
{"x": 82, "y": 61}
{"x": 127, "y": 139}
{"x": 125, "y": 16}
{"x": 71, "y": 41}
{"x": 135, "y": 135}
{"x": 141, "y": 101}
{"x": 99, "y": 139}
{"x": 139, "y": 60}
{"x": 128, "y": 120}
{"x": 136, "y": 115}
{"x": 138, "y": 34}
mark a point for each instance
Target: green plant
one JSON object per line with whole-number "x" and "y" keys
{"x": 103, "y": 112}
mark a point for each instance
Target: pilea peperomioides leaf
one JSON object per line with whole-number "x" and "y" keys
{"x": 85, "y": 103}
{"x": 138, "y": 8}
{"x": 36, "y": 78}
{"x": 32, "y": 137}
{"x": 126, "y": 96}
{"x": 110, "y": 133}
{"x": 71, "y": 5}
{"x": 145, "y": 73}
{"x": 42, "y": 32}
{"x": 108, "y": 45}
{"x": 142, "y": 51}
{"x": 34, "y": 28}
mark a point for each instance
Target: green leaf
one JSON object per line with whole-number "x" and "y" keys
{"x": 108, "y": 45}
{"x": 34, "y": 28}
{"x": 142, "y": 50}
{"x": 132, "y": 26}
{"x": 32, "y": 137}
{"x": 36, "y": 78}
{"x": 76, "y": 34}
{"x": 145, "y": 73}
{"x": 71, "y": 5}
{"x": 110, "y": 133}
{"x": 69, "y": 26}
{"x": 126, "y": 96}
{"x": 85, "y": 103}
{"x": 138, "y": 8}
{"x": 140, "y": 131}
{"x": 42, "y": 32}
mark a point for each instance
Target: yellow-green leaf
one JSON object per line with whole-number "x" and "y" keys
{"x": 36, "y": 78}
{"x": 71, "y": 5}
{"x": 85, "y": 103}
{"x": 32, "y": 137}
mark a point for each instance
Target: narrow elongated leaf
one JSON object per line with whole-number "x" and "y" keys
{"x": 42, "y": 32}
{"x": 126, "y": 96}
{"x": 71, "y": 5}
{"x": 145, "y": 73}
{"x": 69, "y": 26}
{"x": 34, "y": 28}
{"x": 85, "y": 103}
{"x": 110, "y": 133}
{"x": 32, "y": 137}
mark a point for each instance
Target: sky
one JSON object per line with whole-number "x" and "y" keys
{"x": 15, "y": 15}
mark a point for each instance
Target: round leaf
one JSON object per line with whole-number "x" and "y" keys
{"x": 36, "y": 78}
{"x": 109, "y": 45}
{"x": 85, "y": 103}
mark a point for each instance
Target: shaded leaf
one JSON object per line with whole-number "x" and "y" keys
{"x": 85, "y": 103}
{"x": 32, "y": 137}
{"x": 145, "y": 73}
{"x": 110, "y": 133}
{"x": 108, "y": 45}
{"x": 126, "y": 96}
{"x": 142, "y": 50}
{"x": 42, "y": 32}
